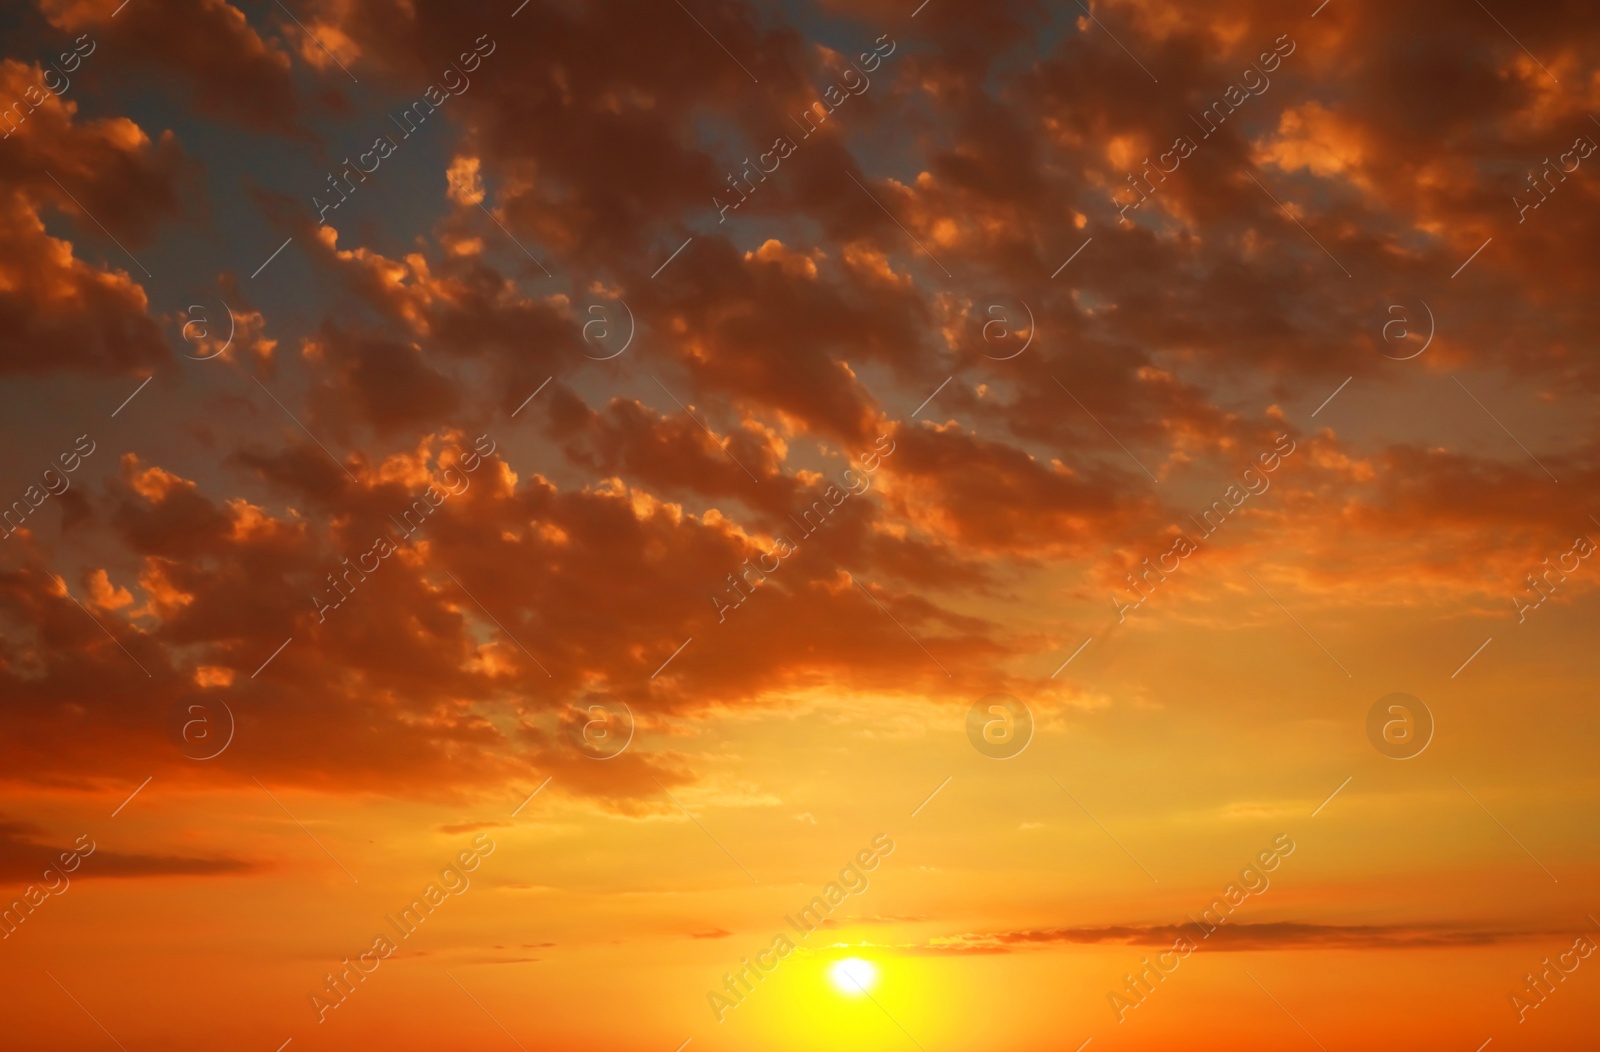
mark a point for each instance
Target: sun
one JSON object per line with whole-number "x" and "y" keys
{"x": 853, "y": 976}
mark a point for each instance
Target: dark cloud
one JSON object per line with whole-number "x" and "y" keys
{"x": 25, "y": 855}
{"x": 206, "y": 50}
{"x": 774, "y": 352}
{"x": 1231, "y": 937}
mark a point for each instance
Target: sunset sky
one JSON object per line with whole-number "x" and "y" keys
{"x": 701, "y": 525}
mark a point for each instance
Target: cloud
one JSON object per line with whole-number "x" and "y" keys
{"x": 60, "y": 312}
{"x": 24, "y": 856}
{"x": 454, "y": 828}
{"x": 1242, "y": 937}
{"x": 223, "y": 65}
{"x": 772, "y": 354}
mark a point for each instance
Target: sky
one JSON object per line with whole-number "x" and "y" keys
{"x": 707, "y": 525}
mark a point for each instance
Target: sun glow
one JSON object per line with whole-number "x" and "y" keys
{"x": 853, "y": 976}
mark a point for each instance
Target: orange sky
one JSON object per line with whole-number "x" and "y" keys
{"x": 512, "y": 537}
